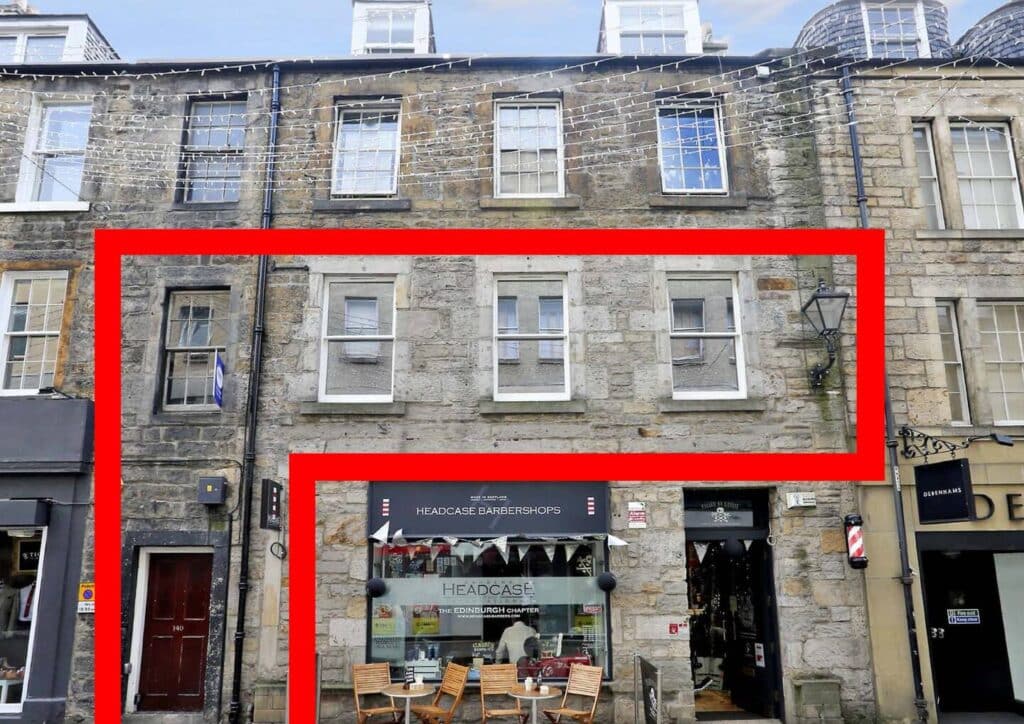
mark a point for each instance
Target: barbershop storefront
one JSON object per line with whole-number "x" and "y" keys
{"x": 480, "y": 573}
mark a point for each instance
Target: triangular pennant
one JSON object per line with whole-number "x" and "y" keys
{"x": 616, "y": 542}
{"x": 434, "y": 552}
{"x": 451, "y": 540}
{"x": 570, "y": 550}
{"x": 381, "y": 536}
{"x": 549, "y": 551}
{"x": 702, "y": 549}
{"x": 502, "y": 545}
{"x": 397, "y": 538}
{"x": 746, "y": 544}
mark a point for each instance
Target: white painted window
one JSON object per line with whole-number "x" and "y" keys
{"x": 952, "y": 357}
{"x": 19, "y": 609}
{"x": 214, "y": 143}
{"x": 928, "y": 176}
{"x": 528, "y": 150}
{"x": 358, "y": 340}
{"x": 31, "y": 317}
{"x": 691, "y": 148}
{"x": 895, "y": 29}
{"x": 32, "y": 48}
{"x": 989, "y": 186}
{"x": 531, "y": 348}
{"x": 391, "y": 31}
{"x": 197, "y": 331}
{"x": 646, "y": 29}
{"x": 54, "y": 158}
{"x": 1001, "y": 325}
{"x": 705, "y": 339}
{"x": 366, "y": 152}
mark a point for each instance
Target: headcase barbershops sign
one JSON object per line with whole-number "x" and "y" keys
{"x": 489, "y": 509}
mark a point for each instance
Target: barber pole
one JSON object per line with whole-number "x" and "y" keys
{"x": 855, "y": 550}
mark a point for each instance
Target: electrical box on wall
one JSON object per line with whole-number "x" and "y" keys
{"x": 801, "y": 500}
{"x": 212, "y": 491}
{"x": 270, "y": 505}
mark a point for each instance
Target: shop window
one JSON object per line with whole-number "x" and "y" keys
{"x": 705, "y": 338}
{"x": 530, "y": 342}
{"x": 1001, "y": 326}
{"x": 691, "y": 149}
{"x": 53, "y": 163}
{"x": 366, "y": 151}
{"x": 197, "y": 329}
{"x": 928, "y": 175}
{"x": 528, "y": 151}
{"x": 213, "y": 152}
{"x": 358, "y": 344}
{"x": 31, "y": 315}
{"x": 532, "y": 603}
{"x": 21, "y": 557}
{"x": 956, "y": 386}
{"x": 987, "y": 171}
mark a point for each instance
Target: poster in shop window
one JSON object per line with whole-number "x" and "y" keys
{"x": 426, "y": 620}
{"x": 26, "y": 554}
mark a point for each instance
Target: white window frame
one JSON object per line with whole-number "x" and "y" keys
{"x": 21, "y": 38}
{"x": 192, "y": 153}
{"x": 510, "y": 346}
{"x": 716, "y": 106}
{"x": 497, "y": 339}
{"x": 559, "y": 134}
{"x": 390, "y": 47}
{"x": 623, "y": 31}
{"x": 950, "y": 306}
{"x": 325, "y": 339}
{"x": 998, "y": 303}
{"x": 7, "y": 281}
{"x": 31, "y": 170}
{"x": 169, "y": 350}
{"x": 924, "y": 49}
{"x": 16, "y": 708}
{"x": 736, "y": 334}
{"x": 342, "y": 108}
{"x": 1015, "y": 174}
{"x": 933, "y": 180}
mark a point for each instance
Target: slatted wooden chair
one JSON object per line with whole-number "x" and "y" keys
{"x": 584, "y": 683}
{"x": 368, "y": 679}
{"x": 497, "y": 680}
{"x": 453, "y": 685}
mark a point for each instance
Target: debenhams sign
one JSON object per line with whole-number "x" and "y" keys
{"x": 490, "y": 509}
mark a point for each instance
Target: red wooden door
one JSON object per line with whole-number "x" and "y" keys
{"x": 177, "y": 631}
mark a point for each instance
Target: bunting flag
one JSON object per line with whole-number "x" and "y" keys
{"x": 451, "y": 540}
{"x": 397, "y": 538}
{"x": 549, "y": 551}
{"x": 570, "y": 550}
{"x": 502, "y": 545}
{"x": 616, "y": 542}
{"x": 746, "y": 544}
{"x": 702, "y": 549}
{"x": 434, "y": 552}
{"x": 381, "y": 536}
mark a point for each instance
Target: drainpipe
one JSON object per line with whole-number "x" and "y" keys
{"x": 906, "y": 572}
{"x": 253, "y": 399}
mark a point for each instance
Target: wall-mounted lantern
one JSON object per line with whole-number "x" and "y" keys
{"x": 825, "y": 310}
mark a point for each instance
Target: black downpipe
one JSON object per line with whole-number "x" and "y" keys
{"x": 906, "y": 572}
{"x": 253, "y": 400}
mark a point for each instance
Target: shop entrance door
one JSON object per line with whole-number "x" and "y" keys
{"x": 967, "y": 640}
{"x": 177, "y": 628}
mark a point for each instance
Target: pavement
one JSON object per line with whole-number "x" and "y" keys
{"x": 988, "y": 717}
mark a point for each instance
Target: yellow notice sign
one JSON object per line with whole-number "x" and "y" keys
{"x": 87, "y": 598}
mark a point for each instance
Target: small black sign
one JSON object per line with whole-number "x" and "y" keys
{"x": 944, "y": 492}
{"x": 270, "y": 505}
{"x": 650, "y": 691}
{"x": 28, "y": 555}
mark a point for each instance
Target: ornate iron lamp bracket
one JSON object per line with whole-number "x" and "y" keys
{"x": 919, "y": 444}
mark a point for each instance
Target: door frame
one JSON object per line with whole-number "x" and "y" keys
{"x": 139, "y": 613}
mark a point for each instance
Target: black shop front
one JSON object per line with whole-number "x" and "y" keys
{"x": 480, "y": 573}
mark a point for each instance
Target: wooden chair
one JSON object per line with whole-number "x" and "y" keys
{"x": 584, "y": 682}
{"x": 370, "y": 679}
{"x": 453, "y": 685}
{"x": 497, "y": 680}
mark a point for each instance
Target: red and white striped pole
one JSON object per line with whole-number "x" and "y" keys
{"x": 855, "y": 551}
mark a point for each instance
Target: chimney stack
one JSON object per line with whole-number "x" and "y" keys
{"x": 17, "y": 7}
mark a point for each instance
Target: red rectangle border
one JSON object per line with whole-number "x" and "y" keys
{"x": 867, "y": 463}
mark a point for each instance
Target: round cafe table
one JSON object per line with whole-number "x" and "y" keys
{"x": 533, "y": 696}
{"x": 409, "y": 694}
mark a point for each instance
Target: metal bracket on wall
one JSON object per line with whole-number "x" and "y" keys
{"x": 921, "y": 444}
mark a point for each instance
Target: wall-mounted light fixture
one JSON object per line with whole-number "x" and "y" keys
{"x": 921, "y": 444}
{"x": 825, "y": 310}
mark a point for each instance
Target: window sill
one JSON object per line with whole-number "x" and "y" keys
{"x": 748, "y": 405}
{"x": 352, "y": 206}
{"x": 697, "y": 201}
{"x": 43, "y": 207}
{"x": 561, "y": 202}
{"x": 217, "y": 206}
{"x": 973, "y": 234}
{"x": 539, "y": 407}
{"x": 393, "y": 409}
{"x": 204, "y": 416}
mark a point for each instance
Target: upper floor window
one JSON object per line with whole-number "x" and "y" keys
{"x": 31, "y": 48}
{"x": 895, "y": 30}
{"x": 54, "y": 159}
{"x": 528, "y": 150}
{"x": 989, "y": 186}
{"x": 928, "y": 175}
{"x": 652, "y": 29}
{"x": 214, "y": 142}
{"x": 391, "y": 26}
{"x": 691, "y": 148}
{"x": 366, "y": 152}
{"x": 197, "y": 329}
{"x": 952, "y": 357}
{"x": 1001, "y": 326}
{"x": 531, "y": 345}
{"x": 391, "y": 31}
{"x": 705, "y": 338}
{"x": 358, "y": 345}
{"x": 31, "y": 316}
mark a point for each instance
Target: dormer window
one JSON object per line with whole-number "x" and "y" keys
{"x": 651, "y": 27}
{"x": 895, "y": 30}
{"x": 31, "y": 48}
{"x": 384, "y": 27}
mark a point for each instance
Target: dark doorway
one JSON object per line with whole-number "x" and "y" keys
{"x": 967, "y": 641}
{"x": 177, "y": 628}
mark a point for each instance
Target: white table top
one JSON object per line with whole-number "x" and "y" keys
{"x": 520, "y": 693}
{"x": 414, "y": 692}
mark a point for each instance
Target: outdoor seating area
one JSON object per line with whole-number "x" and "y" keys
{"x": 503, "y": 697}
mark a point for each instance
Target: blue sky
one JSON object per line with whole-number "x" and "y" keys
{"x": 304, "y": 28}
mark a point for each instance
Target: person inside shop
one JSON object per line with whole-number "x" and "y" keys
{"x": 518, "y": 641}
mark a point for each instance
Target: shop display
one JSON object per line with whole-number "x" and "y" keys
{"x": 20, "y": 553}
